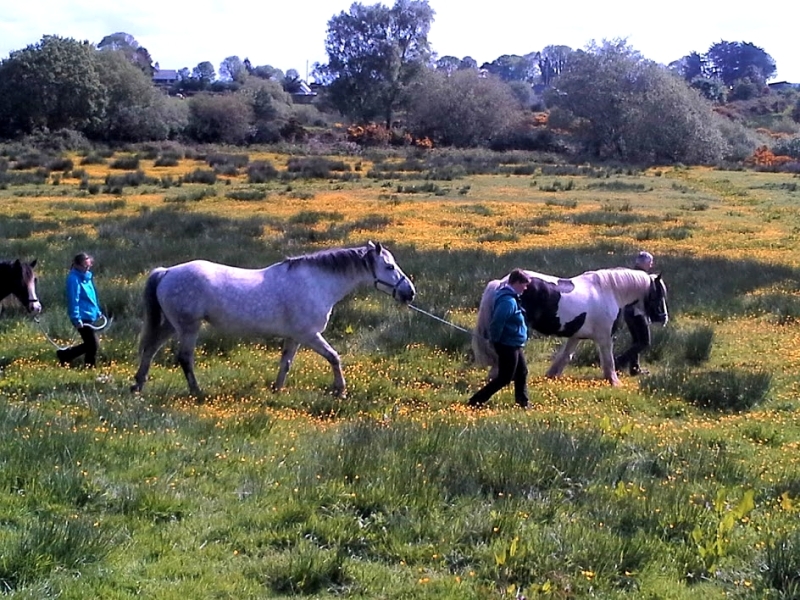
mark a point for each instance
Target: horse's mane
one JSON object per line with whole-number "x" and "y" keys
{"x": 619, "y": 277}
{"x": 337, "y": 260}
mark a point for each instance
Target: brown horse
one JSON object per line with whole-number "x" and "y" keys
{"x": 18, "y": 278}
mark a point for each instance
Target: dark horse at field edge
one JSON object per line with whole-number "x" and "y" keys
{"x": 18, "y": 278}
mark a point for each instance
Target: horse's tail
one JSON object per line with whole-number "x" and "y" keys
{"x": 482, "y": 348}
{"x": 153, "y": 315}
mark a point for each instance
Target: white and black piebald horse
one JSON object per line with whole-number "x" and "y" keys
{"x": 291, "y": 299}
{"x": 579, "y": 308}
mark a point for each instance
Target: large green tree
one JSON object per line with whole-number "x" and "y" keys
{"x": 130, "y": 48}
{"x": 224, "y": 118}
{"x": 374, "y": 54}
{"x": 461, "y": 109}
{"x": 54, "y": 84}
{"x": 511, "y": 67}
{"x": 233, "y": 69}
{"x": 733, "y": 61}
{"x": 552, "y": 61}
{"x": 630, "y": 108}
{"x": 134, "y": 109}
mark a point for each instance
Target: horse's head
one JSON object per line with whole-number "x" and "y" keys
{"x": 655, "y": 302}
{"x": 23, "y": 285}
{"x": 388, "y": 276}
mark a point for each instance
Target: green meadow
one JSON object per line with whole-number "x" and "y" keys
{"x": 682, "y": 484}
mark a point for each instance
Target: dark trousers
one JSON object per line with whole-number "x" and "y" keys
{"x": 511, "y": 367}
{"x": 89, "y": 347}
{"x": 640, "y": 341}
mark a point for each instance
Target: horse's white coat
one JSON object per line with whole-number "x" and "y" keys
{"x": 292, "y": 300}
{"x": 601, "y": 294}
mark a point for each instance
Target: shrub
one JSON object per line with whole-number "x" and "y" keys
{"x": 782, "y": 565}
{"x": 246, "y": 194}
{"x": 368, "y": 135}
{"x": 93, "y": 158}
{"x": 60, "y": 164}
{"x": 126, "y": 163}
{"x": 133, "y": 179}
{"x": 201, "y": 176}
{"x": 697, "y": 345}
{"x": 789, "y": 147}
{"x": 727, "y": 391}
{"x": 261, "y": 171}
{"x": 192, "y": 195}
{"x": 317, "y": 167}
{"x": 167, "y": 160}
{"x": 236, "y": 160}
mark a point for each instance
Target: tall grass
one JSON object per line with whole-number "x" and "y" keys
{"x": 682, "y": 484}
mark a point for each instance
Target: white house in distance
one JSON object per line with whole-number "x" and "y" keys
{"x": 165, "y": 77}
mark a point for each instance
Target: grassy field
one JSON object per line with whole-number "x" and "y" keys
{"x": 682, "y": 484}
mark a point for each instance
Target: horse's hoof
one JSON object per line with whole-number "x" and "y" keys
{"x": 136, "y": 389}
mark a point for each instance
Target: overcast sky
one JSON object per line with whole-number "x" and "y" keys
{"x": 291, "y": 34}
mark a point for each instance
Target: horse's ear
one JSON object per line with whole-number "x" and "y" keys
{"x": 33, "y": 262}
{"x": 17, "y": 263}
{"x": 371, "y": 245}
{"x": 378, "y": 248}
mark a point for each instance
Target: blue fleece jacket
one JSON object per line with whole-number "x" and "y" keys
{"x": 508, "y": 319}
{"x": 82, "y": 306}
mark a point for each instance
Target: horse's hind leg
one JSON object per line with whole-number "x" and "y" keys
{"x": 562, "y": 357}
{"x": 187, "y": 340}
{"x": 148, "y": 347}
{"x": 320, "y": 345}
{"x": 287, "y": 357}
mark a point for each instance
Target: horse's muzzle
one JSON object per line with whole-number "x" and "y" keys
{"x": 402, "y": 291}
{"x": 405, "y": 293}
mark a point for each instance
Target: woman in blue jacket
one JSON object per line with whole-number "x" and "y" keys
{"x": 83, "y": 310}
{"x": 508, "y": 333}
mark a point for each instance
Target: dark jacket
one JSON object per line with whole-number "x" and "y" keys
{"x": 508, "y": 319}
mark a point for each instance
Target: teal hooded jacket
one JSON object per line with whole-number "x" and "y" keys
{"x": 82, "y": 306}
{"x": 508, "y": 319}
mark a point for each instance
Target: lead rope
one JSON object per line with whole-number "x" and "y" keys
{"x": 432, "y": 316}
{"x": 105, "y": 323}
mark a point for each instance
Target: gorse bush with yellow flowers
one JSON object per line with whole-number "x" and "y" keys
{"x": 683, "y": 483}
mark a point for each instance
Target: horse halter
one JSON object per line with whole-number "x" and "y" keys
{"x": 392, "y": 286}
{"x": 654, "y": 301}
{"x": 29, "y": 301}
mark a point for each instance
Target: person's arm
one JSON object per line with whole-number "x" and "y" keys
{"x": 97, "y": 301}
{"x": 73, "y": 297}
{"x": 503, "y": 309}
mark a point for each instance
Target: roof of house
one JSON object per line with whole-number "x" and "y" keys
{"x": 165, "y": 74}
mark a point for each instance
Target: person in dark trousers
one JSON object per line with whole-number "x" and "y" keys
{"x": 638, "y": 324}
{"x": 508, "y": 333}
{"x": 83, "y": 310}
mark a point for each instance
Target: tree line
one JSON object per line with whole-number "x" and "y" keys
{"x": 602, "y": 101}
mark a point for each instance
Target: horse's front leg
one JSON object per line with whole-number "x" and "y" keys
{"x": 320, "y": 345}
{"x": 288, "y": 353}
{"x": 562, "y": 357}
{"x": 605, "y": 349}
